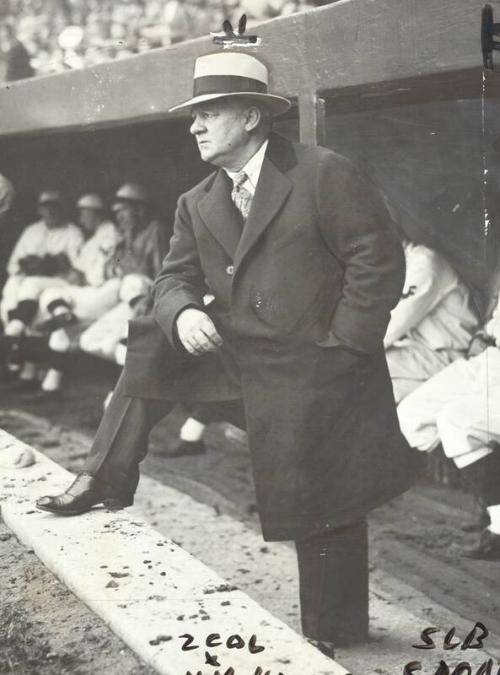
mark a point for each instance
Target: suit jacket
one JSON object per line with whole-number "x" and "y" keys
{"x": 302, "y": 300}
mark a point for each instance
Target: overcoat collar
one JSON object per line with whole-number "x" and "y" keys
{"x": 219, "y": 213}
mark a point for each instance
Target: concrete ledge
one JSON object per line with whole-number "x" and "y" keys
{"x": 149, "y": 590}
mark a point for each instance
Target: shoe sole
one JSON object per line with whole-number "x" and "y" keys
{"x": 110, "y": 504}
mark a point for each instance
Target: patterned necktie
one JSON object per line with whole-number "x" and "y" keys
{"x": 241, "y": 197}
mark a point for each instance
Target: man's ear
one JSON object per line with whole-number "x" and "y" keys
{"x": 253, "y": 117}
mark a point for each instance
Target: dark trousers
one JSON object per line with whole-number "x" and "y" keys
{"x": 483, "y": 477}
{"x": 333, "y": 567}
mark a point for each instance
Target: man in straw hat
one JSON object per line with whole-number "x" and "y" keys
{"x": 300, "y": 256}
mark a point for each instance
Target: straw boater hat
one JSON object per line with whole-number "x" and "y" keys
{"x": 232, "y": 74}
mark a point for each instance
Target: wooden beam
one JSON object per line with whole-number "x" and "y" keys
{"x": 350, "y": 44}
{"x": 311, "y": 119}
{"x": 453, "y": 86}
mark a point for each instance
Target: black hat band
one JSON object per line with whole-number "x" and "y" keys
{"x": 232, "y": 84}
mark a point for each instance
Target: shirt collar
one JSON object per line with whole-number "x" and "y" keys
{"x": 252, "y": 168}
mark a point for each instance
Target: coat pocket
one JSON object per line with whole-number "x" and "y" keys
{"x": 290, "y": 313}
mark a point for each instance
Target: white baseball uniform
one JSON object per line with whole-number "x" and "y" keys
{"x": 104, "y": 335}
{"x": 101, "y": 293}
{"x": 40, "y": 240}
{"x": 138, "y": 266}
{"x": 460, "y": 406}
{"x": 432, "y": 324}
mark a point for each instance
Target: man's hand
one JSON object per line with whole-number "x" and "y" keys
{"x": 197, "y": 332}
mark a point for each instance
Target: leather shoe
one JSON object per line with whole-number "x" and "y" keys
{"x": 488, "y": 547}
{"x": 85, "y": 492}
{"x": 187, "y": 448}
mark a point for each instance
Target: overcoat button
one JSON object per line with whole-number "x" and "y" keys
{"x": 230, "y": 269}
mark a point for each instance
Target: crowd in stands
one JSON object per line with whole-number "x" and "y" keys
{"x": 50, "y": 36}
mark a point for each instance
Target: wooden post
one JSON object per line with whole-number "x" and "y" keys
{"x": 311, "y": 119}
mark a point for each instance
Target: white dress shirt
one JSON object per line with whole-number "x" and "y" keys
{"x": 252, "y": 169}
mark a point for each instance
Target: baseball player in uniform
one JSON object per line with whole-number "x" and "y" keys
{"x": 432, "y": 324}
{"x": 459, "y": 407}
{"x": 47, "y": 250}
{"x": 137, "y": 261}
{"x": 94, "y": 292}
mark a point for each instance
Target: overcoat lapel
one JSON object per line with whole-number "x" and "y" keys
{"x": 270, "y": 194}
{"x": 220, "y": 215}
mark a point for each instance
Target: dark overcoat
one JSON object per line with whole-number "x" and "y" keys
{"x": 302, "y": 301}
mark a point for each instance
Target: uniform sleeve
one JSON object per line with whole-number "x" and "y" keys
{"x": 180, "y": 283}
{"x": 109, "y": 239}
{"x": 27, "y": 244}
{"x": 358, "y": 230}
{"x": 424, "y": 289}
{"x": 95, "y": 267}
{"x": 74, "y": 243}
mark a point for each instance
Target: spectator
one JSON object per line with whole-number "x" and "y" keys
{"x": 114, "y": 29}
{"x": 18, "y": 60}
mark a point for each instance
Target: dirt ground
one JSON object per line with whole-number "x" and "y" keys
{"x": 416, "y": 538}
{"x": 44, "y": 628}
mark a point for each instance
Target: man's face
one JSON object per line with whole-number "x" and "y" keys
{"x": 130, "y": 217}
{"x": 51, "y": 214}
{"x": 220, "y": 130}
{"x": 125, "y": 217}
{"x": 89, "y": 220}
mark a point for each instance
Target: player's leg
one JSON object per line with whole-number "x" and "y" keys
{"x": 470, "y": 432}
{"x": 412, "y": 364}
{"x": 418, "y": 412}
